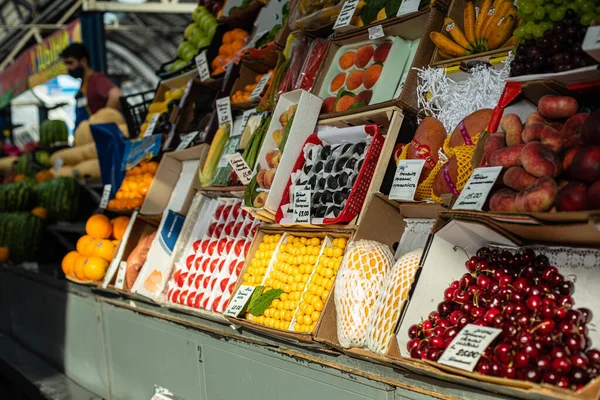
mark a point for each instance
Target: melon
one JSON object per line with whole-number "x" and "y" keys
{"x": 83, "y": 134}
{"x": 53, "y": 132}
{"x": 107, "y": 115}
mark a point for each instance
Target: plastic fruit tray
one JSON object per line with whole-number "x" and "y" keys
{"x": 344, "y": 139}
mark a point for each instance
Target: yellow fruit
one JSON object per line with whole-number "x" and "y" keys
{"x": 78, "y": 267}
{"x": 82, "y": 244}
{"x": 94, "y": 268}
{"x": 68, "y": 262}
{"x": 119, "y": 225}
{"x": 104, "y": 249}
{"x": 381, "y": 15}
{"x": 98, "y": 226}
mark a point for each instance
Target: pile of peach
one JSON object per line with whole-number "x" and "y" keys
{"x": 243, "y": 96}
{"x": 233, "y": 42}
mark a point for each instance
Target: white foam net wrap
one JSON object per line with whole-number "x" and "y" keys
{"x": 360, "y": 279}
{"x": 450, "y": 101}
{"x": 391, "y": 300}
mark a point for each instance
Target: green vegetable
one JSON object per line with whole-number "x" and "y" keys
{"x": 264, "y": 301}
{"x": 251, "y": 192}
{"x": 258, "y": 291}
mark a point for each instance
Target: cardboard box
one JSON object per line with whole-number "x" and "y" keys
{"x": 444, "y": 261}
{"x": 412, "y": 27}
{"x": 249, "y": 70}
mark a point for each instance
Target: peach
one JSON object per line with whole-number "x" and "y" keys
{"x": 571, "y": 131}
{"x": 273, "y": 157}
{"x": 538, "y": 197}
{"x": 590, "y": 129}
{"x": 337, "y": 82}
{"x": 562, "y": 183}
{"x": 371, "y": 75}
{"x": 278, "y": 136}
{"x": 364, "y": 55}
{"x": 365, "y": 96}
{"x": 269, "y": 176}
{"x": 572, "y": 197}
{"x": 328, "y": 105}
{"x": 507, "y": 157}
{"x": 552, "y": 139}
{"x": 260, "y": 178}
{"x": 344, "y": 102}
{"x": 534, "y": 118}
{"x": 586, "y": 165}
{"x": 539, "y": 160}
{"x": 355, "y": 79}
{"x": 517, "y": 178}
{"x": 513, "y": 127}
{"x": 551, "y": 106}
{"x": 471, "y": 126}
{"x": 260, "y": 200}
{"x": 493, "y": 143}
{"x": 593, "y": 196}
{"x": 504, "y": 201}
{"x": 440, "y": 184}
{"x": 532, "y": 132}
{"x": 381, "y": 52}
{"x": 347, "y": 60}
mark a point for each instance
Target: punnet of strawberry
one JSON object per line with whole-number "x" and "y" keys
{"x": 544, "y": 337}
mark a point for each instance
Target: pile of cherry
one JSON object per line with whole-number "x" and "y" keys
{"x": 544, "y": 338}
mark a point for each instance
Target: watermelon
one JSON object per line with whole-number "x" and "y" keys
{"x": 53, "y": 132}
{"x": 22, "y": 233}
{"x": 60, "y": 196}
{"x": 42, "y": 158}
{"x": 23, "y": 163}
{"x": 19, "y": 196}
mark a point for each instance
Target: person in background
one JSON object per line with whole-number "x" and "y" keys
{"x": 97, "y": 91}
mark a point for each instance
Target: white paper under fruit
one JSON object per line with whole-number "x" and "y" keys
{"x": 391, "y": 300}
{"x": 359, "y": 282}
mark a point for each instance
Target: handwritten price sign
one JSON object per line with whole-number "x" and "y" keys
{"x": 239, "y": 300}
{"x": 406, "y": 180}
{"x": 224, "y": 110}
{"x": 467, "y": 347}
{"x": 302, "y": 203}
{"x": 477, "y": 189}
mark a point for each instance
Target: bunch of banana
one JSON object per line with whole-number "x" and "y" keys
{"x": 491, "y": 29}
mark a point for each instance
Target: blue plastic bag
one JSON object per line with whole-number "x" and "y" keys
{"x": 110, "y": 146}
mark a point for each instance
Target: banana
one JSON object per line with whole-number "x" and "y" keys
{"x": 469, "y": 20}
{"x": 504, "y": 8}
{"x": 481, "y": 18}
{"x": 214, "y": 154}
{"x": 512, "y": 42}
{"x": 448, "y": 45}
{"x": 457, "y": 34}
{"x": 502, "y": 32}
{"x": 444, "y": 55}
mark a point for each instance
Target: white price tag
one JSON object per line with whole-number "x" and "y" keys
{"x": 120, "y": 281}
{"x": 376, "y": 32}
{"x": 105, "y": 196}
{"x": 255, "y": 95}
{"x": 406, "y": 180}
{"x": 224, "y": 110}
{"x": 477, "y": 189}
{"x": 245, "y": 117}
{"x": 202, "y": 65}
{"x": 186, "y": 140}
{"x": 407, "y": 7}
{"x": 58, "y": 163}
{"x": 302, "y": 204}
{"x": 467, "y": 347}
{"x": 346, "y": 14}
{"x": 151, "y": 125}
{"x": 239, "y": 300}
{"x": 241, "y": 169}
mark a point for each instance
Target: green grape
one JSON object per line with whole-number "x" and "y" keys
{"x": 580, "y": 2}
{"x": 528, "y": 36}
{"x": 539, "y": 12}
{"x": 559, "y": 2}
{"x": 549, "y": 7}
{"x": 598, "y": 10}
{"x": 530, "y": 27}
{"x": 587, "y": 19}
{"x": 538, "y": 31}
{"x": 587, "y": 7}
{"x": 528, "y": 7}
{"x": 521, "y": 2}
{"x": 539, "y": 2}
{"x": 547, "y": 25}
{"x": 519, "y": 32}
{"x": 557, "y": 14}
{"x": 573, "y": 7}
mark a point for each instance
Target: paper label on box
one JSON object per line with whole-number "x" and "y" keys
{"x": 239, "y": 300}
{"x": 105, "y": 196}
{"x": 202, "y": 65}
{"x": 477, "y": 189}
{"x": 224, "y": 110}
{"x": 151, "y": 125}
{"x": 58, "y": 163}
{"x": 467, "y": 347}
{"x": 406, "y": 180}
{"x": 376, "y": 32}
{"x": 186, "y": 140}
{"x": 120, "y": 281}
{"x": 257, "y": 91}
{"x": 302, "y": 200}
{"x": 346, "y": 14}
{"x": 245, "y": 117}
{"x": 138, "y": 150}
{"x": 243, "y": 172}
{"x": 407, "y": 7}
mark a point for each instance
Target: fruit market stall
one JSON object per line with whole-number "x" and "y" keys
{"x": 401, "y": 195}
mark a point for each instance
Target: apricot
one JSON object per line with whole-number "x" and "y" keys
{"x": 371, "y": 75}
{"x": 328, "y": 104}
{"x": 364, "y": 55}
{"x": 344, "y": 102}
{"x": 507, "y": 157}
{"x": 504, "y": 200}
{"x": 260, "y": 178}
{"x": 337, "y": 82}
{"x": 355, "y": 79}
{"x": 539, "y": 160}
{"x": 347, "y": 60}
{"x": 538, "y": 197}
{"x": 365, "y": 96}
{"x": 471, "y": 126}
{"x": 551, "y": 106}
{"x": 260, "y": 200}
{"x": 517, "y": 178}
{"x": 493, "y": 143}
{"x": 381, "y": 52}
{"x": 513, "y": 127}
{"x": 269, "y": 176}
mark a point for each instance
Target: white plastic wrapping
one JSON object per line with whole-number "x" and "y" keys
{"x": 415, "y": 235}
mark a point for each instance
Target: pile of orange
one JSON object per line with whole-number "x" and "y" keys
{"x": 134, "y": 187}
{"x": 243, "y": 96}
{"x": 233, "y": 41}
{"x": 95, "y": 249}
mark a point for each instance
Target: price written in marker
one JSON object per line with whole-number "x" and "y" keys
{"x": 260, "y": 86}
{"x": 151, "y": 126}
{"x": 302, "y": 204}
{"x": 467, "y": 347}
{"x": 105, "y": 196}
{"x": 477, "y": 189}
{"x": 224, "y": 110}
{"x": 239, "y": 300}
{"x": 407, "y": 7}
{"x": 202, "y": 66}
{"x": 346, "y": 14}
{"x": 186, "y": 140}
{"x": 376, "y": 32}
{"x": 406, "y": 180}
{"x": 241, "y": 169}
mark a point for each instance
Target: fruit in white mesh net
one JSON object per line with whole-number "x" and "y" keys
{"x": 359, "y": 281}
{"x": 391, "y": 300}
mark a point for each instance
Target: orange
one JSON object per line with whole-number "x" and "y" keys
{"x": 136, "y": 170}
{"x": 94, "y": 268}
{"x": 78, "y": 267}
{"x": 98, "y": 226}
{"x": 119, "y": 225}
{"x": 229, "y": 37}
{"x": 40, "y": 212}
{"x": 82, "y": 244}
{"x": 240, "y": 34}
{"x": 104, "y": 249}
{"x": 44, "y": 175}
{"x": 4, "y": 253}
{"x": 68, "y": 262}
{"x": 89, "y": 248}
{"x": 20, "y": 177}
{"x": 112, "y": 204}
{"x": 227, "y": 49}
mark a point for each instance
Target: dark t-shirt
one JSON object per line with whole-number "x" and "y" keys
{"x": 98, "y": 87}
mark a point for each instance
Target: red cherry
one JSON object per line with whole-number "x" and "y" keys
{"x": 543, "y": 363}
{"x": 449, "y": 294}
{"x": 532, "y": 375}
{"x": 534, "y": 302}
{"x": 437, "y": 342}
{"x": 558, "y": 352}
{"x": 503, "y": 352}
{"x": 550, "y": 377}
{"x": 546, "y": 311}
{"x": 548, "y": 273}
{"x": 483, "y": 367}
{"x": 545, "y": 327}
{"x": 471, "y": 264}
{"x": 530, "y": 350}
{"x": 525, "y": 338}
{"x": 454, "y": 316}
{"x": 521, "y": 284}
{"x": 412, "y": 344}
{"x": 427, "y": 325}
{"x": 450, "y": 333}
{"x": 477, "y": 312}
{"x": 491, "y": 314}
{"x": 575, "y": 342}
{"x": 579, "y": 376}
{"x": 579, "y": 360}
{"x": 443, "y": 322}
{"x": 413, "y": 331}
{"x": 587, "y": 314}
{"x": 566, "y": 288}
{"x": 567, "y": 327}
{"x": 439, "y": 331}
{"x": 434, "y": 316}
{"x": 593, "y": 355}
{"x": 521, "y": 360}
{"x": 434, "y": 354}
{"x": 575, "y": 316}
